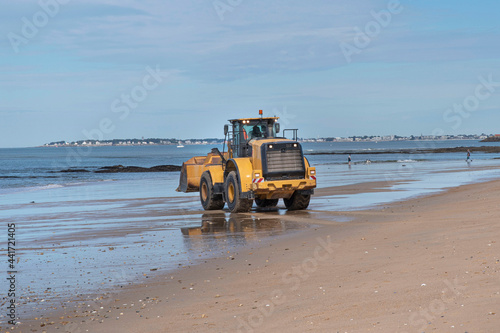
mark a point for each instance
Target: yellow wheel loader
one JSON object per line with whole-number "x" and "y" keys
{"x": 259, "y": 165}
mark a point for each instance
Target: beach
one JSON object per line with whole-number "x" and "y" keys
{"x": 249, "y": 166}
{"x": 425, "y": 264}
{"x": 124, "y": 252}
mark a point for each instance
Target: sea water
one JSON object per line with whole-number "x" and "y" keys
{"x": 34, "y": 169}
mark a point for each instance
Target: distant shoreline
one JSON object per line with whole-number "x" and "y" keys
{"x": 213, "y": 141}
{"x": 133, "y": 142}
{"x": 123, "y": 145}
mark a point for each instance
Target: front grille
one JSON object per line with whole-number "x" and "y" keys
{"x": 283, "y": 161}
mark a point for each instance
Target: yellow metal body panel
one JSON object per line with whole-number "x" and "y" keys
{"x": 245, "y": 172}
{"x": 282, "y": 188}
{"x": 193, "y": 168}
{"x": 276, "y": 189}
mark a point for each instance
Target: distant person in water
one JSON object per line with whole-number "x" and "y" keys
{"x": 468, "y": 155}
{"x": 349, "y": 159}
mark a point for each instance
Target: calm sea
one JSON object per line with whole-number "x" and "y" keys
{"x": 25, "y": 169}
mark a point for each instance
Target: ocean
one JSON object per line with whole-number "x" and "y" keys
{"x": 79, "y": 234}
{"x": 25, "y": 172}
{"x": 24, "y": 169}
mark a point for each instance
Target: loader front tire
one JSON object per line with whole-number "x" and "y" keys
{"x": 235, "y": 202}
{"x": 209, "y": 200}
{"x": 297, "y": 201}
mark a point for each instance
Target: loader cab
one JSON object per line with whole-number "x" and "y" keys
{"x": 245, "y": 130}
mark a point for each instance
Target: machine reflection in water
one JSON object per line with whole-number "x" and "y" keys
{"x": 221, "y": 230}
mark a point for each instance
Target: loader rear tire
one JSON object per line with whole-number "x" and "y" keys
{"x": 235, "y": 202}
{"x": 297, "y": 201}
{"x": 266, "y": 203}
{"x": 209, "y": 200}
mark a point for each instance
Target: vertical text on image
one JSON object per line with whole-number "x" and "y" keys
{"x": 11, "y": 273}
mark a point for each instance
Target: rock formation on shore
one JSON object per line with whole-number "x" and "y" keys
{"x": 121, "y": 168}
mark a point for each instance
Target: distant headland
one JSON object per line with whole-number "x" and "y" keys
{"x": 133, "y": 142}
{"x": 493, "y": 138}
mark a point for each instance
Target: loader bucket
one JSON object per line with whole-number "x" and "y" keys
{"x": 188, "y": 181}
{"x": 183, "y": 180}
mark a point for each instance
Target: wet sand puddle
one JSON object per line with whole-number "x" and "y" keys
{"x": 74, "y": 252}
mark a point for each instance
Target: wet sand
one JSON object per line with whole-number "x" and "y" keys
{"x": 424, "y": 265}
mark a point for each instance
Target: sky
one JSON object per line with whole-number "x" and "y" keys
{"x": 104, "y": 69}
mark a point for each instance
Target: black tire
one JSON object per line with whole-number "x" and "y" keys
{"x": 297, "y": 201}
{"x": 266, "y": 203}
{"x": 209, "y": 200}
{"x": 235, "y": 203}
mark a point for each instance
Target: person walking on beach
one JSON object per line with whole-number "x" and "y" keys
{"x": 349, "y": 159}
{"x": 468, "y": 155}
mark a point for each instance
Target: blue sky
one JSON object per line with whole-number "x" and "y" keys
{"x": 67, "y": 67}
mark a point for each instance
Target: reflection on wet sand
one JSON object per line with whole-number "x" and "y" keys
{"x": 223, "y": 229}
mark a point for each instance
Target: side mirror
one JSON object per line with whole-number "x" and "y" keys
{"x": 277, "y": 127}
{"x": 226, "y": 129}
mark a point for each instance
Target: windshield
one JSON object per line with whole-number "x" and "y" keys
{"x": 258, "y": 130}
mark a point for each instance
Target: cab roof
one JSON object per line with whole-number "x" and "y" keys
{"x": 263, "y": 118}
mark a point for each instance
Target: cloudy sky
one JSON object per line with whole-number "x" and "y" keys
{"x": 72, "y": 70}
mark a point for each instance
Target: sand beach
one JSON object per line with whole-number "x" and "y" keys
{"x": 428, "y": 264}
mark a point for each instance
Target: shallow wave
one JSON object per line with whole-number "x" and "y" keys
{"x": 370, "y": 162}
{"x": 407, "y": 161}
{"x": 46, "y": 187}
{"x": 28, "y": 177}
{"x": 17, "y": 189}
